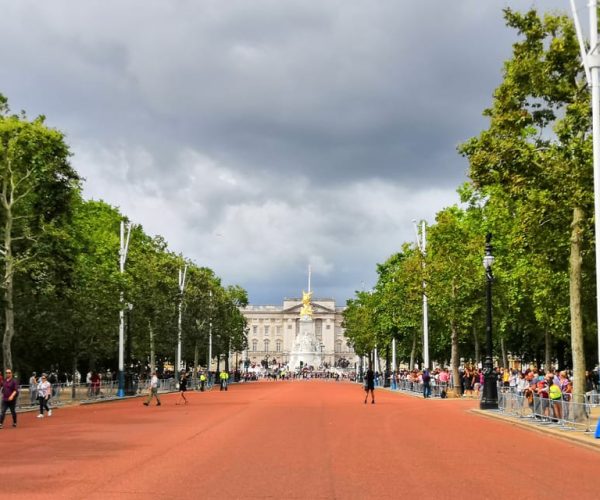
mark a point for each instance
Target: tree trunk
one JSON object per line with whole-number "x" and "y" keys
{"x": 9, "y": 313}
{"x": 152, "y": 355}
{"x": 196, "y": 355}
{"x": 547, "y": 351}
{"x": 454, "y": 359}
{"x": 477, "y": 346}
{"x": 504, "y": 359}
{"x": 577, "y": 345}
{"x": 413, "y": 352}
{"x": 74, "y": 372}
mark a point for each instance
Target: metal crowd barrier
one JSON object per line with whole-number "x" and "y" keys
{"x": 416, "y": 387}
{"x": 66, "y": 393}
{"x": 564, "y": 413}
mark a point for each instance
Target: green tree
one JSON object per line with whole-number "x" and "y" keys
{"x": 37, "y": 185}
{"x": 455, "y": 276}
{"x": 537, "y": 147}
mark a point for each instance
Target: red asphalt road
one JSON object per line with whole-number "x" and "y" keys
{"x": 287, "y": 440}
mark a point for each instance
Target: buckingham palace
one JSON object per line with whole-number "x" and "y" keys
{"x": 272, "y": 330}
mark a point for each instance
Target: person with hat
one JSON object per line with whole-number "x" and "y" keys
{"x": 10, "y": 391}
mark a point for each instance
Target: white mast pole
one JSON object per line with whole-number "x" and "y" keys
{"x": 123, "y": 248}
{"x": 182, "y": 275}
{"x": 593, "y": 63}
{"x": 210, "y": 333}
{"x": 422, "y": 246}
{"x": 425, "y": 305}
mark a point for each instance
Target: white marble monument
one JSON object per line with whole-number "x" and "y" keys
{"x": 306, "y": 350}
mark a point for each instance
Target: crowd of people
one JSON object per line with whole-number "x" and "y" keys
{"x": 550, "y": 384}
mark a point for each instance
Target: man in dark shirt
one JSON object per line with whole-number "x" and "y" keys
{"x": 10, "y": 389}
{"x": 370, "y": 385}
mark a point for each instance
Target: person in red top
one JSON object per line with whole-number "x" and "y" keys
{"x": 10, "y": 390}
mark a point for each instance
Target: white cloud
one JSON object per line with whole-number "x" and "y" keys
{"x": 257, "y": 137}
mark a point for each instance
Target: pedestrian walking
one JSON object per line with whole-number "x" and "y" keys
{"x": 182, "y": 388}
{"x": 223, "y": 378}
{"x": 88, "y": 383}
{"x": 33, "y": 382}
{"x": 53, "y": 379}
{"x": 44, "y": 391}
{"x": 10, "y": 391}
{"x": 96, "y": 380}
{"x": 153, "y": 390}
{"x": 370, "y": 385}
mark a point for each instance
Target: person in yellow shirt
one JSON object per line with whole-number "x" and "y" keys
{"x": 202, "y": 381}
{"x": 556, "y": 397}
{"x": 223, "y": 378}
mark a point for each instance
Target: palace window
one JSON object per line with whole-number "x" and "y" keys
{"x": 254, "y": 344}
{"x": 266, "y": 331}
{"x": 278, "y": 346}
{"x": 278, "y": 330}
{"x": 254, "y": 329}
{"x": 266, "y": 345}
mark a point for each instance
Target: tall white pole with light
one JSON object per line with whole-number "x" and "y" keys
{"x": 182, "y": 276}
{"x": 591, "y": 64}
{"x": 123, "y": 249}
{"x": 422, "y": 245}
{"x": 209, "y": 332}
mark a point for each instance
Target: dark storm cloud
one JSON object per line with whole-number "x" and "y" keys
{"x": 300, "y": 129}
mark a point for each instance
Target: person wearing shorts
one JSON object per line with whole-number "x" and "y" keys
{"x": 182, "y": 388}
{"x": 370, "y": 385}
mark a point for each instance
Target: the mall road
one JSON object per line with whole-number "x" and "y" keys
{"x": 301, "y": 439}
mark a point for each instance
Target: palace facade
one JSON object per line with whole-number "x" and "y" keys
{"x": 273, "y": 329}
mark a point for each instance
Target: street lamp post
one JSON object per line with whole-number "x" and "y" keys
{"x": 489, "y": 401}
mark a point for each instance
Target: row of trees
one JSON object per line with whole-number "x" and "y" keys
{"x": 61, "y": 279}
{"x": 531, "y": 186}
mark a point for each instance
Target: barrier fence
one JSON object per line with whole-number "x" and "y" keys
{"x": 564, "y": 413}
{"x": 68, "y": 393}
{"x": 437, "y": 389}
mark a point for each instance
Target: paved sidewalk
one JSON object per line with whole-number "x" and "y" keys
{"x": 579, "y": 437}
{"x": 549, "y": 429}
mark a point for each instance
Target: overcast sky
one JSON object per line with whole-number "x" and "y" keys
{"x": 259, "y": 136}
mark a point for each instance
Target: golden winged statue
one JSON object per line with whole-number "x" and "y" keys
{"x": 306, "y": 307}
